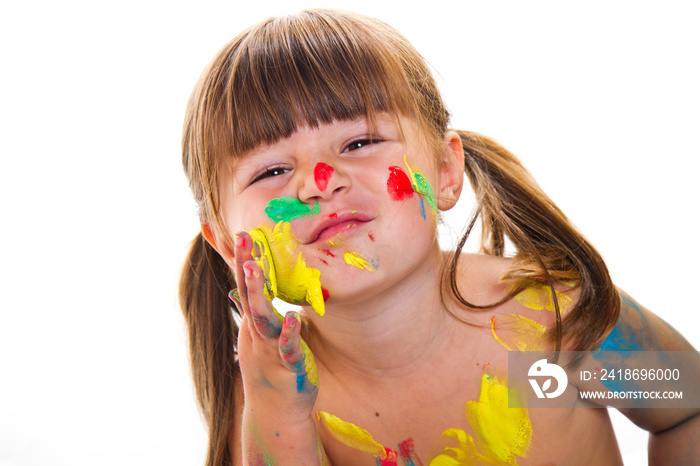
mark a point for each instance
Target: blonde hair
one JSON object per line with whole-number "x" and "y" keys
{"x": 321, "y": 66}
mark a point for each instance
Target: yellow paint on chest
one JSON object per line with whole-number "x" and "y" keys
{"x": 350, "y": 435}
{"x": 504, "y": 434}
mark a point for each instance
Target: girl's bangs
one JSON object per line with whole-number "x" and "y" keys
{"x": 295, "y": 71}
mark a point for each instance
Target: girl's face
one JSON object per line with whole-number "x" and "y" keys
{"x": 363, "y": 205}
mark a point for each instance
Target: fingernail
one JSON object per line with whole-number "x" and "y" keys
{"x": 290, "y": 319}
{"x": 239, "y": 241}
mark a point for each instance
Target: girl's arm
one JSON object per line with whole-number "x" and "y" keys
{"x": 674, "y": 432}
{"x": 280, "y": 381}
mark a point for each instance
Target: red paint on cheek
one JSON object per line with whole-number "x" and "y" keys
{"x": 327, "y": 252}
{"x": 322, "y": 173}
{"x": 325, "y": 294}
{"x": 399, "y": 185}
{"x": 371, "y": 236}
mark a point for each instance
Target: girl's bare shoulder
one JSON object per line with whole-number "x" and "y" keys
{"x": 525, "y": 317}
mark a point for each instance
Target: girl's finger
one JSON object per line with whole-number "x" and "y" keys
{"x": 243, "y": 245}
{"x": 296, "y": 355}
{"x": 266, "y": 320}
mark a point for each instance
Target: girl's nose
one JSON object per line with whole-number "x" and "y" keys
{"x": 323, "y": 182}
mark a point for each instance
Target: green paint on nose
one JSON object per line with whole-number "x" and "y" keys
{"x": 286, "y": 209}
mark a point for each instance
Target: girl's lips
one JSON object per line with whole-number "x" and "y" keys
{"x": 335, "y": 224}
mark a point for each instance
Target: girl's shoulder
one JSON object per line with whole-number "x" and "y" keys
{"x": 519, "y": 323}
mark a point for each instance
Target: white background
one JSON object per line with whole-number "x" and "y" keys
{"x": 599, "y": 99}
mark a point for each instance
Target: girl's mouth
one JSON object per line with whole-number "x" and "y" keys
{"x": 336, "y": 224}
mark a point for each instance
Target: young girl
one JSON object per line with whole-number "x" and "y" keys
{"x": 318, "y": 149}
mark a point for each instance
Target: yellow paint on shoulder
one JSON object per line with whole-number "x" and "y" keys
{"x": 358, "y": 260}
{"x": 518, "y": 332}
{"x": 288, "y": 277}
{"x": 539, "y": 296}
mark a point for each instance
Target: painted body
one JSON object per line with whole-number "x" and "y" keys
{"x": 539, "y": 296}
{"x": 504, "y": 434}
{"x": 519, "y": 333}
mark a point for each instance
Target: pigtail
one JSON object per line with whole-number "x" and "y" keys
{"x": 548, "y": 247}
{"x": 213, "y": 334}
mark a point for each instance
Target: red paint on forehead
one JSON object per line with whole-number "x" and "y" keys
{"x": 399, "y": 185}
{"x": 322, "y": 173}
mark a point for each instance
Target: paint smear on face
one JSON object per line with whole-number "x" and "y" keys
{"x": 286, "y": 209}
{"x": 399, "y": 184}
{"x": 287, "y": 275}
{"x": 518, "y": 332}
{"x": 322, "y": 174}
{"x": 357, "y": 438}
{"x": 421, "y": 185}
{"x": 358, "y": 260}
{"x": 505, "y": 431}
{"x": 539, "y": 296}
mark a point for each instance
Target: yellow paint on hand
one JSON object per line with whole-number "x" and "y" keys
{"x": 309, "y": 363}
{"x": 518, "y": 332}
{"x": 539, "y": 296}
{"x": 351, "y": 435}
{"x": 505, "y": 431}
{"x": 288, "y": 276}
{"x": 358, "y": 260}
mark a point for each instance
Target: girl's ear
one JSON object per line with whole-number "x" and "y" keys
{"x": 222, "y": 247}
{"x": 209, "y": 235}
{"x": 451, "y": 171}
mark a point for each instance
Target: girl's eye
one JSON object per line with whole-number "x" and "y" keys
{"x": 360, "y": 143}
{"x": 269, "y": 173}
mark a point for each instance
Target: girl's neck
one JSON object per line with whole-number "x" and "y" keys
{"x": 402, "y": 328}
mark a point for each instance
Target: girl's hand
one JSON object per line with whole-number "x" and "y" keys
{"x": 280, "y": 380}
